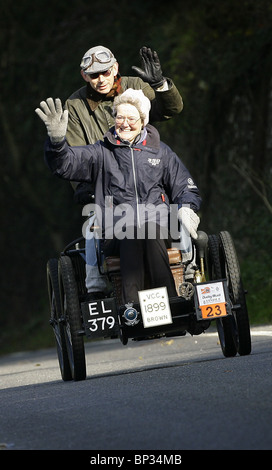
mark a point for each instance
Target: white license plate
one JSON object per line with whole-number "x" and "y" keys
{"x": 155, "y": 307}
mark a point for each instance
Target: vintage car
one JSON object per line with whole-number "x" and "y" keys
{"x": 213, "y": 293}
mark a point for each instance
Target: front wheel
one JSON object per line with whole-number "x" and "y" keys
{"x": 226, "y": 328}
{"x": 55, "y": 318}
{"x": 71, "y": 314}
{"x": 231, "y": 270}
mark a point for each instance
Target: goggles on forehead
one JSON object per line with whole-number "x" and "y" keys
{"x": 103, "y": 57}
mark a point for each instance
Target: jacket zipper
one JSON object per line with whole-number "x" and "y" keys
{"x": 135, "y": 186}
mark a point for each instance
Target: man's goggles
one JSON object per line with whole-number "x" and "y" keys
{"x": 102, "y": 57}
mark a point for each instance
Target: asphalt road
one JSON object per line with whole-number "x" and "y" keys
{"x": 167, "y": 394}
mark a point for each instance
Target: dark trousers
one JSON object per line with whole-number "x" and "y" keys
{"x": 144, "y": 264}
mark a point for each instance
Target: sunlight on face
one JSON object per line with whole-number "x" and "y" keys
{"x": 103, "y": 83}
{"x": 128, "y": 123}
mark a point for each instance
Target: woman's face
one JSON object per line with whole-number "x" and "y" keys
{"x": 128, "y": 123}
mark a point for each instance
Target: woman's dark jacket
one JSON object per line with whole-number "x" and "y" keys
{"x": 140, "y": 178}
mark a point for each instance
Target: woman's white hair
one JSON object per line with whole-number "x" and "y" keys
{"x": 137, "y": 99}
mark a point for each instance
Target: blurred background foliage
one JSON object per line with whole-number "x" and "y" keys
{"x": 219, "y": 55}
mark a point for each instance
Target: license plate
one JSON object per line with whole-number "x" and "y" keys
{"x": 100, "y": 318}
{"x": 211, "y": 300}
{"x": 155, "y": 308}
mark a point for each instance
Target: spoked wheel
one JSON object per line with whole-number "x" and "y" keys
{"x": 231, "y": 270}
{"x": 226, "y": 327}
{"x": 72, "y": 318}
{"x": 55, "y": 318}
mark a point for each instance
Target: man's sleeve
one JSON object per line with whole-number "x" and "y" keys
{"x": 75, "y": 135}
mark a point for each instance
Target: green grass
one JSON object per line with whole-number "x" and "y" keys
{"x": 259, "y": 306}
{"x": 37, "y": 334}
{"x": 257, "y": 280}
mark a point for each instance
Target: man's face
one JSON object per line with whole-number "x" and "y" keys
{"x": 102, "y": 82}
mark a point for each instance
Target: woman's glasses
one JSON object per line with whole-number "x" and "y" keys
{"x": 120, "y": 119}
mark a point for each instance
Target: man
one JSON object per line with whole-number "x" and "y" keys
{"x": 91, "y": 115}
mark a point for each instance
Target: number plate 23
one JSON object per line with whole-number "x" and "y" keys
{"x": 213, "y": 311}
{"x": 211, "y": 300}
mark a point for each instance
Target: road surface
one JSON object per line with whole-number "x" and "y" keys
{"x": 172, "y": 394}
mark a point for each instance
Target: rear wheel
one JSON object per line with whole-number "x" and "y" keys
{"x": 226, "y": 327}
{"x": 231, "y": 270}
{"x": 72, "y": 318}
{"x": 55, "y": 318}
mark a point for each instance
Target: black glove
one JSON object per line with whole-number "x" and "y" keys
{"x": 151, "y": 72}
{"x": 84, "y": 193}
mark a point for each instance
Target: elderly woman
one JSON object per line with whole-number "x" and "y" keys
{"x": 134, "y": 174}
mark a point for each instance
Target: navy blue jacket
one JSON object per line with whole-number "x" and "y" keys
{"x": 145, "y": 177}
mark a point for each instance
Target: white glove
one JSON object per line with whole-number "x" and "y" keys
{"x": 54, "y": 118}
{"x": 189, "y": 219}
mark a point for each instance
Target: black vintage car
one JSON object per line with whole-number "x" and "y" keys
{"x": 213, "y": 293}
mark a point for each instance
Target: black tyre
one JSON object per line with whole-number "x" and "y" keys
{"x": 226, "y": 327}
{"x": 72, "y": 315}
{"x": 55, "y": 318}
{"x": 231, "y": 270}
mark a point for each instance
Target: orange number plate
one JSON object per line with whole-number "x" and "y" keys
{"x": 213, "y": 311}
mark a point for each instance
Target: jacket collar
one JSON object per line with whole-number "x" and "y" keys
{"x": 150, "y": 139}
